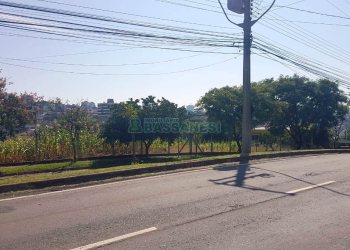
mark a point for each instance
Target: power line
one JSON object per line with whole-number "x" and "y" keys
{"x": 136, "y": 15}
{"x": 281, "y": 7}
{"x": 308, "y": 38}
{"x": 305, "y": 64}
{"x": 305, "y": 40}
{"x": 149, "y": 39}
{"x": 314, "y": 12}
{"x": 100, "y": 18}
{"x": 104, "y": 65}
{"x": 308, "y": 22}
{"x": 140, "y": 46}
{"x": 269, "y": 42}
{"x": 189, "y": 6}
{"x": 337, "y": 8}
{"x": 155, "y": 37}
{"x": 120, "y": 74}
{"x": 191, "y": 31}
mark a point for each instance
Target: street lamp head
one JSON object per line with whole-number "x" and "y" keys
{"x": 236, "y": 6}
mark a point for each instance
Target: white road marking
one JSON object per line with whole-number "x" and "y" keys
{"x": 310, "y": 187}
{"x": 107, "y": 184}
{"x": 116, "y": 239}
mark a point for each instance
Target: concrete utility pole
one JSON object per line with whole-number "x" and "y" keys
{"x": 246, "y": 117}
{"x": 245, "y": 7}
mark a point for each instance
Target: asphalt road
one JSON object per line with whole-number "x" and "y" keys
{"x": 220, "y": 208}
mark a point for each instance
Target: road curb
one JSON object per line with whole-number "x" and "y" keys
{"x": 155, "y": 169}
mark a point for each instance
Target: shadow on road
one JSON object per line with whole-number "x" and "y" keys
{"x": 244, "y": 172}
{"x": 301, "y": 180}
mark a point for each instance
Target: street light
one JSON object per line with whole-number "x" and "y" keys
{"x": 235, "y": 6}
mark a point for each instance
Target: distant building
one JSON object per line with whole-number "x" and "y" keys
{"x": 90, "y": 107}
{"x": 49, "y": 112}
{"x": 190, "y": 108}
{"x": 197, "y": 115}
{"x": 104, "y": 109}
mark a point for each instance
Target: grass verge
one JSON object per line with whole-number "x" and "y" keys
{"x": 32, "y": 173}
{"x": 90, "y": 164}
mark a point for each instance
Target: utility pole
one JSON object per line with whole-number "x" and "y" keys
{"x": 245, "y": 7}
{"x": 246, "y": 116}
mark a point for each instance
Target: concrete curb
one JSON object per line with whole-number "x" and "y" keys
{"x": 156, "y": 169}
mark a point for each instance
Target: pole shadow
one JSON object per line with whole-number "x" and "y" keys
{"x": 243, "y": 173}
{"x": 243, "y": 167}
{"x": 301, "y": 180}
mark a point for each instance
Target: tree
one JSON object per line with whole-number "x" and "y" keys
{"x": 294, "y": 97}
{"x": 171, "y": 110}
{"x": 117, "y": 125}
{"x": 304, "y": 106}
{"x": 304, "y": 109}
{"x": 263, "y": 103}
{"x": 75, "y": 120}
{"x": 225, "y": 105}
{"x": 329, "y": 111}
{"x": 163, "y": 108}
{"x": 13, "y": 115}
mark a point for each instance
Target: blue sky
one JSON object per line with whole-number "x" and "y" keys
{"x": 183, "y": 88}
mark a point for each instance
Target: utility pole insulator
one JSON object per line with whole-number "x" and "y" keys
{"x": 236, "y": 6}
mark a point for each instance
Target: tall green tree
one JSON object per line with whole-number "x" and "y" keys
{"x": 117, "y": 125}
{"x": 150, "y": 109}
{"x": 163, "y": 108}
{"x": 304, "y": 106}
{"x": 294, "y": 99}
{"x": 224, "y": 105}
{"x": 13, "y": 115}
{"x": 75, "y": 121}
{"x": 329, "y": 111}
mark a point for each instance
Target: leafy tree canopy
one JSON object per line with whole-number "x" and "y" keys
{"x": 13, "y": 112}
{"x": 303, "y": 108}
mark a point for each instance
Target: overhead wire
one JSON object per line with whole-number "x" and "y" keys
{"x": 311, "y": 66}
{"x": 308, "y": 22}
{"x": 295, "y": 60}
{"x": 120, "y": 74}
{"x": 314, "y": 12}
{"x": 337, "y": 8}
{"x": 73, "y": 26}
{"x": 297, "y": 54}
{"x": 307, "y": 38}
{"x": 136, "y": 15}
{"x": 100, "y": 18}
{"x": 103, "y": 65}
{"x": 304, "y": 63}
{"x": 124, "y": 33}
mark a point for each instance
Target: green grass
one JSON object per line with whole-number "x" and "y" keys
{"x": 29, "y": 173}
{"x": 71, "y": 173}
{"x": 96, "y": 164}
{"x": 79, "y": 169}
